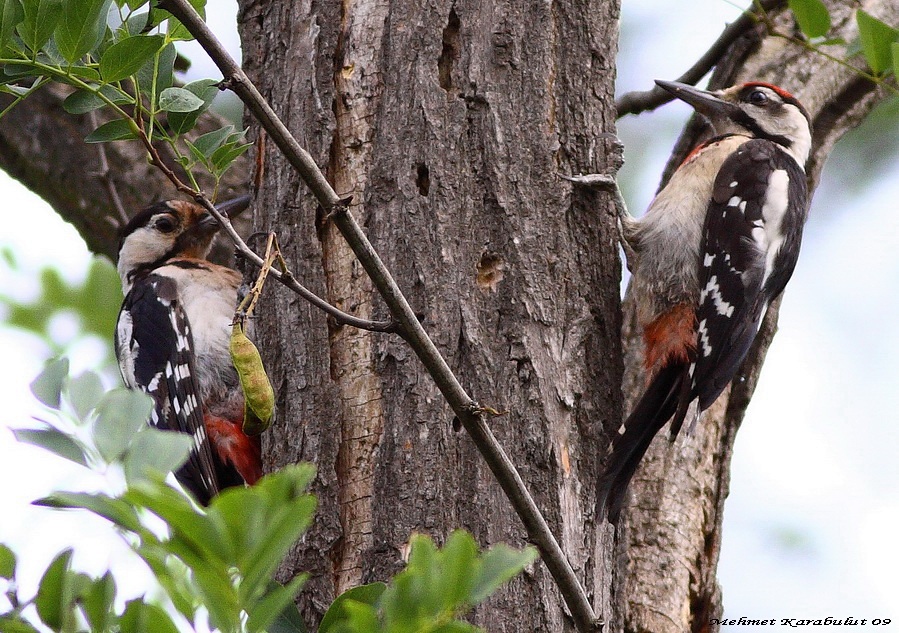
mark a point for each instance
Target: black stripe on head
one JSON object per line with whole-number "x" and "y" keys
{"x": 744, "y": 120}
{"x": 142, "y": 218}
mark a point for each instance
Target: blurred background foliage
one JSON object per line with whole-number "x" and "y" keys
{"x": 93, "y": 303}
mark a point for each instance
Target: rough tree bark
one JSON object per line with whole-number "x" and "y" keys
{"x": 449, "y": 123}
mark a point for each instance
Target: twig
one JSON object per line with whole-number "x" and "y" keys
{"x": 640, "y": 101}
{"x": 286, "y": 278}
{"x": 105, "y": 174}
{"x": 466, "y": 409}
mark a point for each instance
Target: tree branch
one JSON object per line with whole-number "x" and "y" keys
{"x": 466, "y": 409}
{"x": 640, "y": 101}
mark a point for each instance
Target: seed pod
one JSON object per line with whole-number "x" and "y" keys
{"x": 258, "y": 393}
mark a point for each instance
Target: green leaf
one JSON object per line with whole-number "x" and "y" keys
{"x": 194, "y": 532}
{"x": 124, "y": 58}
{"x": 11, "y": 14}
{"x": 876, "y": 40}
{"x": 11, "y": 623}
{"x": 116, "y": 511}
{"x": 141, "y": 617}
{"x": 895, "y": 51}
{"x": 7, "y": 562}
{"x": 269, "y": 608}
{"x": 289, "y": 621}
{"x": 39, "y": 21}
{"x": 500, "y": 564}
{"x": 154, "y": 454}
{"x": 98, "y": 602}
{"x": 363, "y": 618}
{"x": 222, "y": 158}
{"x": 211, "y": 141}
{"x": 178, "y": 31}
{"x": 179, "y": 100}
{"x": 115, "y": 130}
{"x": 336, "y": 613}
{"x": 137, "y": 22}
{"x": 48, "y": 385}
{"x": 54, "y": 441}
{"x": 458, "y": 558}
{"x": 81, "y": 28}
{"x": 84, "y": 392}
{"x": 120, "y": 415}
{"x": 204, "y": 89}
{"x": 54, "y": 594}
{"x": 83, "y": 101}
{"x": 158, "y": 73}
{"x": 812, "y": 16}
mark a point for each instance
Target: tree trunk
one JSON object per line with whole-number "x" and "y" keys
{"x": 448, "y": 124}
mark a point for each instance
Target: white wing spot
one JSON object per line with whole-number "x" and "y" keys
{"x": 712, "y": 288}
{"x": 733, "y": 202}
{"x": 154, "y": 383}
{"x": 704, "y": 339}
{"x": 777, "y": 201}
{"x": 733, "y": 184}
{"x": 708, "y": 259}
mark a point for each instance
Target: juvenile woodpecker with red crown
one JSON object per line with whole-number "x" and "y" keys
{"x": 172, "y": 340}
{"x": 716, "y": 245}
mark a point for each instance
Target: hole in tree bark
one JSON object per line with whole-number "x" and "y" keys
{"x": 423, "y": 179}
{"x": 490, "y": 271}
{"x": 450, "y": 52}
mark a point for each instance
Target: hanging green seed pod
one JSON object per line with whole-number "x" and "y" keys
{"x": 258, "y": 392}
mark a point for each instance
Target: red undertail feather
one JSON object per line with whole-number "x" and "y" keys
{"x": 235, "y": 447}
{"x": 670, "y": 338}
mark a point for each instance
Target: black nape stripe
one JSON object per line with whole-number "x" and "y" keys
{"x": 751, "y": 125}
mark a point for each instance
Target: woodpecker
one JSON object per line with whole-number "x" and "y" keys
{"x": 716, "y": 245}
{"x": 172, "y": 340}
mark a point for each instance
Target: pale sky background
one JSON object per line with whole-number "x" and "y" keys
{"x": 810, "y": 524}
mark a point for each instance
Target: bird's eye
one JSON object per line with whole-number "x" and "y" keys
{"x": 165, "y": 224}
{"x": 758, "y": 97}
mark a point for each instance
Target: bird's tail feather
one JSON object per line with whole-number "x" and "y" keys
{"x": 662, "y": 399}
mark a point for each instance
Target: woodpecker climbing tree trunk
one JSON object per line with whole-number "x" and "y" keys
{"x": 671, "y": 534}
{"x": 448, "y": 124}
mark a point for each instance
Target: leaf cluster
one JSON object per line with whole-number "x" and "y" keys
{"x": 118, "y": 55}
{"x": 215, "y": 565}
{"x": 878, "y": 42}
{"x": 436, "y": 589}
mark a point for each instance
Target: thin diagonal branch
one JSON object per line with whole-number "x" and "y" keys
{"x": 640, "y": 101}
{"x": 465, "y": 408}
{"x": 105, "y": 174}
{"x": 285, "y": 277}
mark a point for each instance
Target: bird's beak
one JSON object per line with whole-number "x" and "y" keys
{"x": 234, "y": 207}
{"x": 230, "y": 208}
{"x": 705, "y": 102}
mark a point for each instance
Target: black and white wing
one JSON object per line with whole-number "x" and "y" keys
{"x": 751, "y": 238}
{"x": 154, "y": 348}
